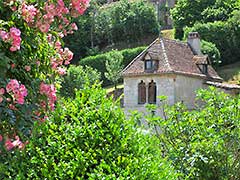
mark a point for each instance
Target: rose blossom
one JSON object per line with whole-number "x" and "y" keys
{"x": 27, "y": 68}
{"x": 2, "y": 91}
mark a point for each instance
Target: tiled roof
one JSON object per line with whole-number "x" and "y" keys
{"x": 223, "y": 85}
{"x": 173, "y": 57}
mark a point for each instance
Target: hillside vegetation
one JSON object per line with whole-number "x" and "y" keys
{"x": 103, "y": 26}
{"x": 230, "y": 73}
{"x": 217, "y": 21}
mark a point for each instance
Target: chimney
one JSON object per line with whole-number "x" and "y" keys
{"x": 194, "y": 43}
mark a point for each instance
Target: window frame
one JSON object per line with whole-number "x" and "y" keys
{"x": 151, "y": 64}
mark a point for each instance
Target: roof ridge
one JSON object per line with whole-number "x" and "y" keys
{"x": 140, "y": 55}
{"x": 165, "y": 55}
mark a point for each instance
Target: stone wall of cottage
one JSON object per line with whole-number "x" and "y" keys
{"x": 165, "y": 86}
{"x": 186, "y": 88}
{"x": 177, "y": 88}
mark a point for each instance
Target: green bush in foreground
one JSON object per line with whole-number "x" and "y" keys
{"x": 87, "y": 138}
{"x": 203, "y": 143}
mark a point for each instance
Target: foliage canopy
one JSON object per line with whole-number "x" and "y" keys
{"x": 188, "y": 12}
{"x": 114, "y": 67}
{"x": 88, "y": 138}
{"x": 202, "y": 143}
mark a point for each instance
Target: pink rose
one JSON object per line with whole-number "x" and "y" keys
{"x": 14, "y": 32}
{"x": 4, "y": 35}
{"x": 2, "y": 91}
{"x": 27, "y": 68}
{"x": 44, "y": 28}
{"x": 8, "y": 144}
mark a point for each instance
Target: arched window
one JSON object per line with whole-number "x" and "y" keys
{"x": 152, "y": 93}
{"x": 141, "y": 93}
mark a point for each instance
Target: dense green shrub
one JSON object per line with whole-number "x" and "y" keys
{"x": 98, "y": 62}
{"x": 203, "y": 143}
{"x": 212, "y": 51}
{"x": 223, "y": 35}
{"x": 76, "y": 78}
{"x": 88, "y": 138}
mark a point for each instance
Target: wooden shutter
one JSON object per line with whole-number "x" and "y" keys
{"x": 152, "y": 93}
{"x": 141, "y": 93}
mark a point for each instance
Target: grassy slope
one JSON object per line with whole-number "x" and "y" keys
{"x": 230, "y": 73}
{"x": 143, "y": 41}
{"x": 169, "y": 33}
{"x": 111, "y": 87}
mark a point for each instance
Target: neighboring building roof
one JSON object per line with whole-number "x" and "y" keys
{"x": 223, "y": 85}
{"x": 173, "y": 57}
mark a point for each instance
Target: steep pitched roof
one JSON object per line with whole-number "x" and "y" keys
{"x": 173, "y": 57}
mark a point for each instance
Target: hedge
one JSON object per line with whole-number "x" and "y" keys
{"x": 98, "y": 62}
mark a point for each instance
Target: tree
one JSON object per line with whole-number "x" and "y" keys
{"x": 104, "y": 26}
{"x": 114, "y": 67}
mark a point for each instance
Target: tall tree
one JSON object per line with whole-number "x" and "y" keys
{"x": 114, "y": 67}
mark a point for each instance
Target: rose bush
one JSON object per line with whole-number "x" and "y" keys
{"x": 31, "y": 57}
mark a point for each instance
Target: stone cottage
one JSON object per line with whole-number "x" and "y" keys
{"x": 171, "y": 68}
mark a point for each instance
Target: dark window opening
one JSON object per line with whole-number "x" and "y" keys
{"x": 204, "y": 68}
{"x": 141, "y": 93}
{"x": 149, "y": 65}
{"x": 152, "y": 93}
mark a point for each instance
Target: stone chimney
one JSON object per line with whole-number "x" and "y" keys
{"x": 194, "y": 43}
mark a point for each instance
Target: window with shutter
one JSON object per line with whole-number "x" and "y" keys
{"x": 141, "y": 93}
{"x": 152, "y": 93}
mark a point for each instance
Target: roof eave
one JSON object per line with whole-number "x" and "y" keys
{"x": 201, "y": 76}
